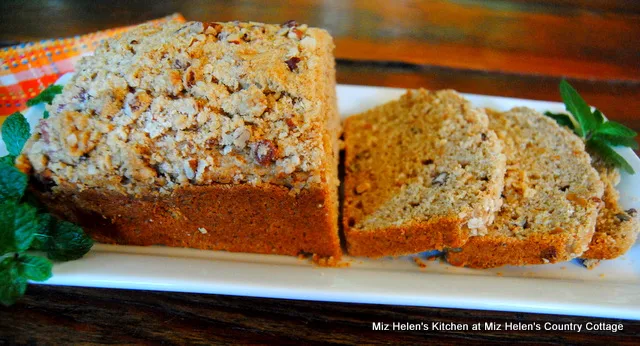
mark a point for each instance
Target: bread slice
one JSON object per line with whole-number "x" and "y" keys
{"x": 616, "y": 229}
{"x": 551, "y": 196}
{"x": 422, "y": 173}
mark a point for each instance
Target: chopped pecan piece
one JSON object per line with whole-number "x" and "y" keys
{"x": 292, "y": 63}
{"x": 295, "y": 33}
{"x": 290, "y": 24}
{"x": 44, "y": 131}
{"x": 180, "y": 65}
{"x": 212, "y": 27}
{"x": 264, "y": 152}
{"x": 291, "y": 124}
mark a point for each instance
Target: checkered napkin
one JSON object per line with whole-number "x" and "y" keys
{"x": 28, "y": 68}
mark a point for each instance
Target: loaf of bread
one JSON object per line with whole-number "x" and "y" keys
{"x": 552, "y": 196}
{"x": 421, "y": 173}
{"x": 208, "y": 135}
{"x": 616, "y": 229}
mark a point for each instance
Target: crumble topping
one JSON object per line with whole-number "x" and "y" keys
{"x": 193, "y": 103}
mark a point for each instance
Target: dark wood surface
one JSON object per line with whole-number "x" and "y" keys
{"x": 65, "y": 315}
{"x": 511, "y": 48}
{"x": 586, "y": 39}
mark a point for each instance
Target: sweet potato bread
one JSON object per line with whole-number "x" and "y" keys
{"x": 552, "y": 196}
{"x": 207, "y": 135}
{"x": 616, "y": 229}
{"x": 422, "y": 173}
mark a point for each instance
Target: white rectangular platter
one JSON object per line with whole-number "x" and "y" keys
{"x": 610, "y": 290}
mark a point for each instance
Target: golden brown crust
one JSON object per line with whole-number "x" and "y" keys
{"x": 616, "y": 229}
{"x": 496, "y": 251}
{"x": 239, "y": 218}
{"x": 397, "y": 241}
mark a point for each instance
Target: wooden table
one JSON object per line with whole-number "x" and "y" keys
{"x": 511, "y": 48}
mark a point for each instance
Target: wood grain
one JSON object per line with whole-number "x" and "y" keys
{"x": 66, "y": 315}
{"x": 581, "y": 39}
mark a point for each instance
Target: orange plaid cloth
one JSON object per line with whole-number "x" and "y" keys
{"x": 28, "y": 68}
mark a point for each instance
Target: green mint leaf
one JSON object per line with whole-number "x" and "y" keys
{"x": 12, "y": 283}
{"x": 577, "y": 106}
{"x": 609, "y": 155}
{"x": 12, "y": 182}
{"x": 561, "y": 119}
{"x": 46, "y": 95}
{"x": 68, "y": 242}
{"x": 613, "y": 128}
{"x": 41, "y": 240}
{"x": 597, "y": 115}
{"x": 35, "y": 268}
{"x": 18, "y": 226}
{"x": 8, "y": 159}
{"x": 15, "y": 132}
{"x": 45, "y": 115}
{"x": 629, "y": 142}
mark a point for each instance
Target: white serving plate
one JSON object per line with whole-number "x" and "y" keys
{"x": 610, "y": 290}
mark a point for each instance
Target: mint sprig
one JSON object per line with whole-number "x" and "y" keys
{"x": 12, "y": 182}
{"x": 15, "y": 133}
{"x": 18, "y": 226}
{"x": 67, "y": 242}
{"x": 577, "y": 106}
{"x": 562, "y": 119}
{"x": 8, "y": 159}
{"x": 46, "y": 95}
{"x": 13, "y": 284}
{"x": 24, "y": 224}
{"x": 16, "y": 270}
{"x": 599, "y": 134}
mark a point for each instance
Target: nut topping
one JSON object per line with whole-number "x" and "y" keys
{"x": 212, "y": 28}
{"x": 440, "y": 179}
{"x": 291, "y": 124}
{"x": 290, "y": 24}
{"x": 295, "y": 33}
{"x": 292, "y": 63}
{"x": 264, "y": 152}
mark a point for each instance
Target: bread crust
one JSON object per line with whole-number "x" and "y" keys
{"x": 496, "y": 251}
{"x": 264, "y": 219}
{"x": 397, "y": 241}
{"x": 616, "y": 229}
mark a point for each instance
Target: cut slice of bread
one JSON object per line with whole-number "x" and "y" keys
{"x": 422, "y": 173}
{"x": 551, "y": 197}
{"x": 616, "y": 229}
